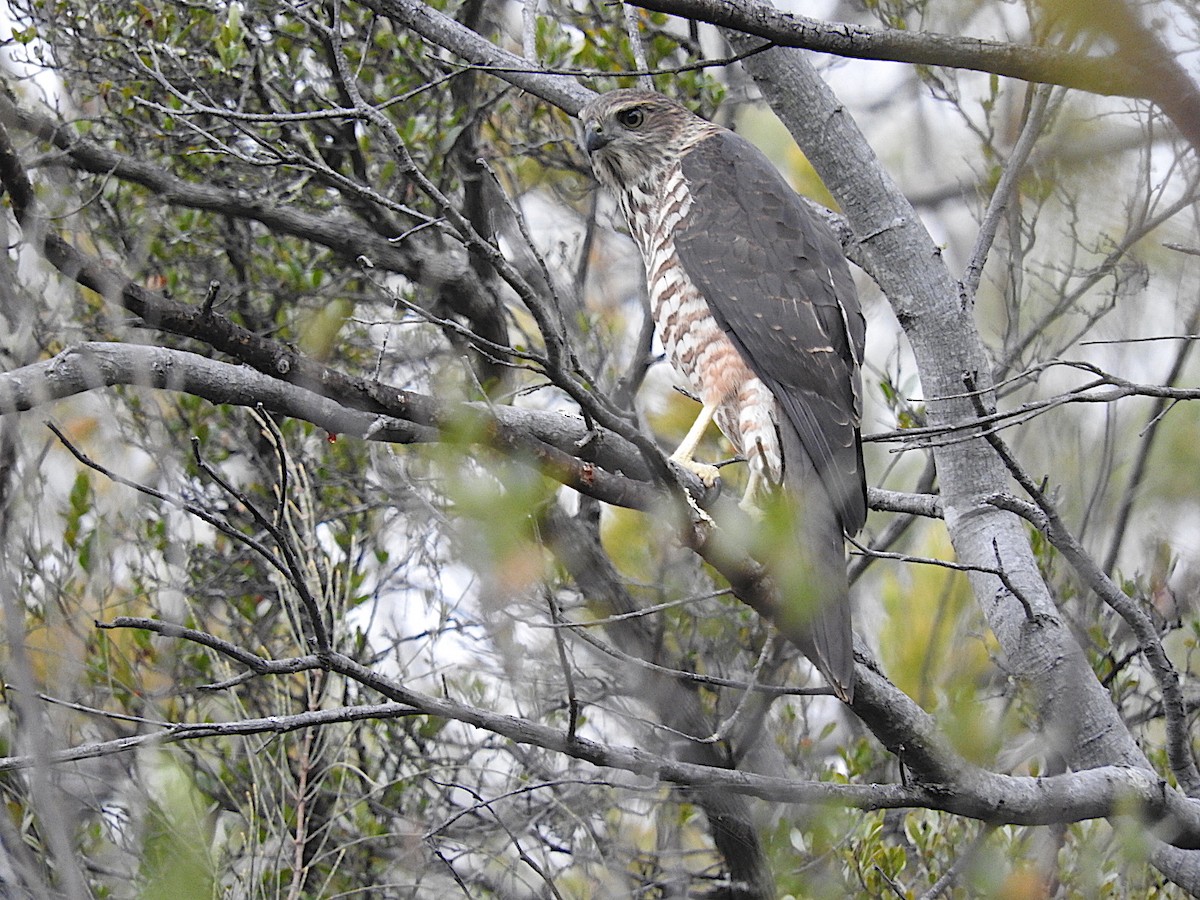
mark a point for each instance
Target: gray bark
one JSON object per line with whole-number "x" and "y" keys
{"x": 1080, "y": 721}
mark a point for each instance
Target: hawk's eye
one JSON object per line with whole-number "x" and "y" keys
{"x": 631, "y": 118}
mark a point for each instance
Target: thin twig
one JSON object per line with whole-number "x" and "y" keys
{"x": 632, "y": 17}
{"x": 896, "y": 528}
{"x": 719, "y": 62}
{"x": 187, "y": 506}
{"x": 964, "y": 859}
{"x": 921, "y": 560}
{"x": 1006, "y": 188}
{"x": 565, "y": 663}
{"x": 292, "y": 569}
{"x": 1008, "y": 583}
{"x": 529, "y": 20}
{"x": 252, "y": 661}
{"x": 578, "y": 629}
{"x": 1138, "y": 472}
{"x": 748, "y": 694}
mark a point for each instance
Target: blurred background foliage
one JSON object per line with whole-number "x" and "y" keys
{"x": 239, "y": 165}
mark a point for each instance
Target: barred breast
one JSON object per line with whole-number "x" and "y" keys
{"x": 697, "y": 347}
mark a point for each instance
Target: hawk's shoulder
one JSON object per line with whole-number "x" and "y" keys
{"x": 730, "y": 176}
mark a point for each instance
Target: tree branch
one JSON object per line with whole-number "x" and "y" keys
{"x": 1179, "y": 741}
{"x": 674, "y": 699}
{"x": 564, "y": 91}
{"x": 1081, "y": 721}
{"x": 974, "y": 793}
{"x": 336, "y": 231}
{"x": 1097, "y": 75}
{"x": 1167, "y": 83}
{"x": 550, "y": 440}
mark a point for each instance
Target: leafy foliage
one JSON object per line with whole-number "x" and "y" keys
{"x": 330, "y": 181}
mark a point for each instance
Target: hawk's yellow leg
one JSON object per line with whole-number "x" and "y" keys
{"x": 747, "y": 503}
{"x": 683, "y": 453}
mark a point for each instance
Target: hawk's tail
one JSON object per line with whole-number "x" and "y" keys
{"x": 815, "y": 591}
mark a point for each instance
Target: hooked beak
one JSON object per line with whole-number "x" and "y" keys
{"x": 594, "y": 139}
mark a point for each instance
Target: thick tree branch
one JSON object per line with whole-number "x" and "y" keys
{"x": 947, "y": 344}
{"x": 1037, "y": 105}
{"x": 1081, "y": 721}
{"x": 549, "y": 440}
{"x": 1098, "y": 75}
{"x": 1101, "y": 75}
{"x": 975, "y": 793}
{"x": 1027, "y": 63}
{"x": 593, "y": 461}
{"x": 440, "y": 30}
{"x": 1008, "y": 800}
{"x": 96, "y": 364}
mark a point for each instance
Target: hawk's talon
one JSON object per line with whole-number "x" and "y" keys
{"x": 751, "y": 509}
{"x": 747, "y": 504}
{"x": 688, "y": 472}
{"x": 709, "y": 476}
{"x": 710, "y": 486}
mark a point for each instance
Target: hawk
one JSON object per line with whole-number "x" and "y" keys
{"x": 756, "y": 309}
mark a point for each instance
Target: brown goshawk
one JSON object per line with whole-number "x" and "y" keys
{"x": 756, "y": 309}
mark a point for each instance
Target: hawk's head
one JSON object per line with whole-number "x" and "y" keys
{"x": 633, "y": 136}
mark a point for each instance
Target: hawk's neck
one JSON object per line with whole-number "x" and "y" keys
{"x": 653, "y": 205}
{"x": 656, "y": 198}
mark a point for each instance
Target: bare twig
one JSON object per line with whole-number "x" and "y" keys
{"x": 634, "y": 31}
{"x": 521, "y": 853}
{"x": 1140, "y": 463}
{"x": 565, "y": 664}
{"x": 732, "y": 720}
{"x": 257, "y": 664}
{"x": 1006, "y": 188}
{"x": 961, "y": 862}
{"x": 898, "y": 525}
{"x": 195, "y": 509}
{"x": 529, "y": 18}
{"x": 291, "y": 567}
{"x": 579, "y": 630}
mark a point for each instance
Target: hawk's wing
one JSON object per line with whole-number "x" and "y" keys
{"x": 776, "y": 281}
